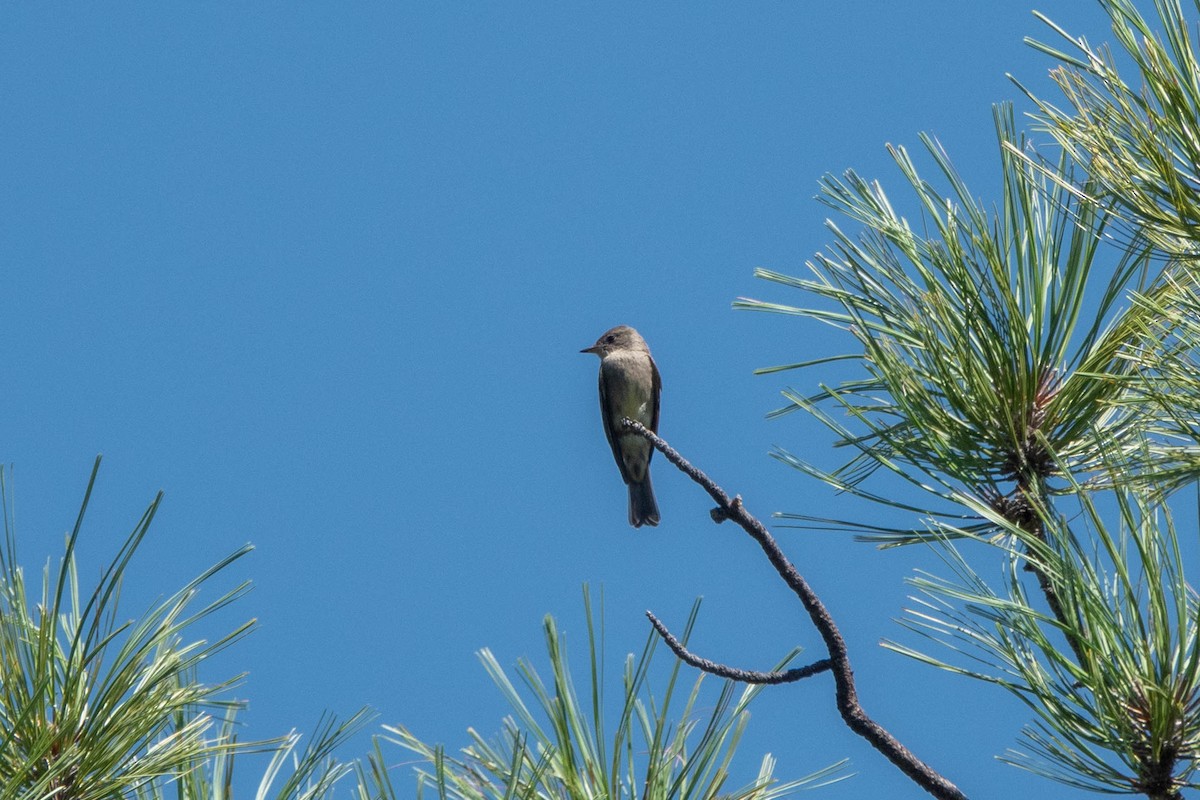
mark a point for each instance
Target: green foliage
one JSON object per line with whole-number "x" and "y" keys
{"x": 91, "y": 707}
{"x": 1164, "y": 351}
{"x": 558, "y": 749}
{"x": 1139, "y": 140}
{"x": 314, "y": 770}
{"x": 1133, "y": 689}
{"x": 995, "y": 346}
{"x": 95, "y": 707}
{"x": 1034, "y": 369}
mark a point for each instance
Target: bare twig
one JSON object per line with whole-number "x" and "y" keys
{"x": 846, "y": 693}
{"x": 733, "y": 673}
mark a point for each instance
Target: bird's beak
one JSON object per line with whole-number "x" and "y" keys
{"x": 591, "y": 349}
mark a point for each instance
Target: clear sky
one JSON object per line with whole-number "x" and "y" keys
{"x": 321, "y": 272}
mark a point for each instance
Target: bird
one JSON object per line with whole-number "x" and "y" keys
{"x": 629, "y": 387}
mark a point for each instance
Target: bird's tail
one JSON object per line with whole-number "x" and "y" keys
{"x": 643, "y": 509}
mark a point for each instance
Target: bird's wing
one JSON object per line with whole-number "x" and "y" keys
{"x": 655, "y": 391}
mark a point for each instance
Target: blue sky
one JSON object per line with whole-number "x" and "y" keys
{"x": 321, "y": 272}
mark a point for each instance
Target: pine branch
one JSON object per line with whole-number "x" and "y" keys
{"x": 846, "y": 693}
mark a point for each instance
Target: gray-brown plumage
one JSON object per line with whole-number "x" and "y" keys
{"x": 629, "y": 387}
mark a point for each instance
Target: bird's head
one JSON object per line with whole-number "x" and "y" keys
{"x": 621, "y": 337}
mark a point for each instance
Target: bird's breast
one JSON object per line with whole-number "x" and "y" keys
{"x": 629, "y": 385}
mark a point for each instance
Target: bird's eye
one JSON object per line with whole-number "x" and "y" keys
{"x": 609, "y": 339}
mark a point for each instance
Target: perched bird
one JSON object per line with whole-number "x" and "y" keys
{"x": 629, "y": 387}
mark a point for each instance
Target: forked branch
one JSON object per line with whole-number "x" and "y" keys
{"x": 846, "y": 695}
